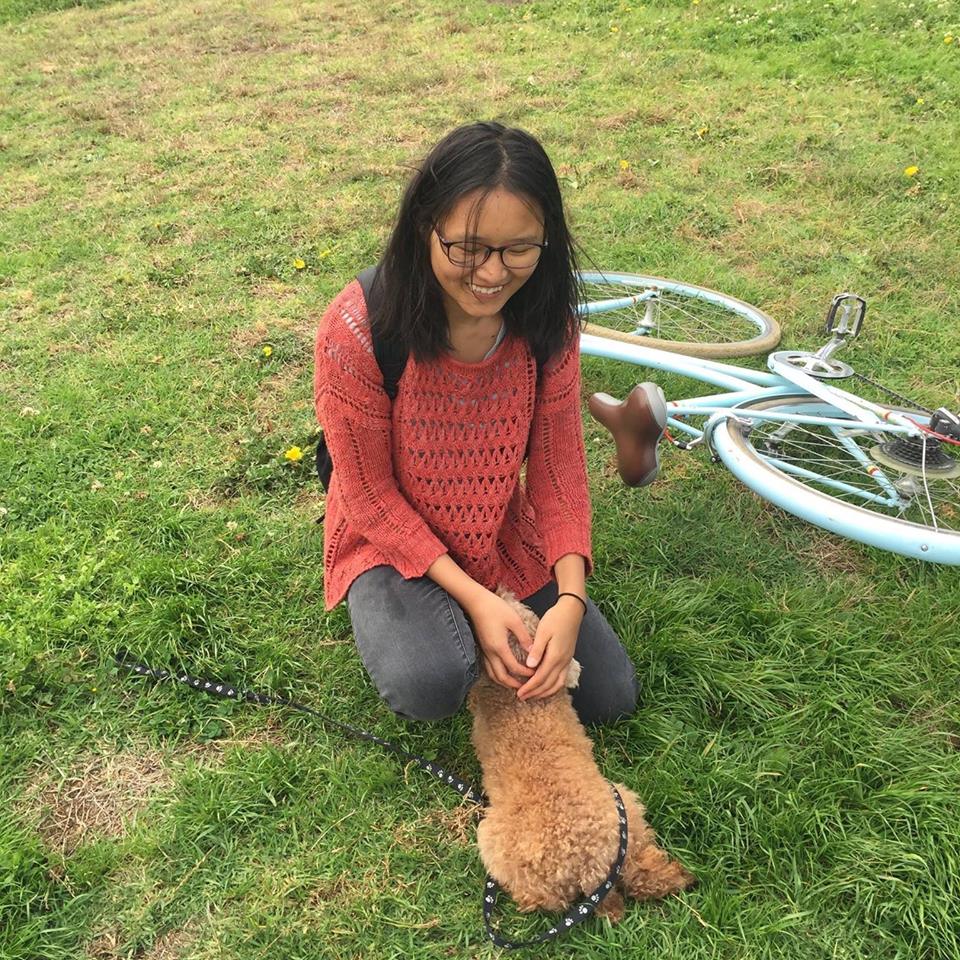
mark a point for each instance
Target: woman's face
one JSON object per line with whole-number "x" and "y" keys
{"x": 503, "y": 219}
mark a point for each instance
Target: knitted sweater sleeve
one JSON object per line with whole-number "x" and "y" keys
{"x": 557, "y": 463}
{"x": 355, "y": 413}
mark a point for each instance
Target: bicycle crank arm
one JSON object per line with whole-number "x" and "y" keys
{"x": 856, "y": 407}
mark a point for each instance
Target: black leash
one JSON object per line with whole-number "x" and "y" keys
{"x": 217, "y": 688}
{"x": 579, "y": 912}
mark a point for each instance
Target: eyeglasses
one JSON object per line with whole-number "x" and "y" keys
{"x": 469, "y": 253}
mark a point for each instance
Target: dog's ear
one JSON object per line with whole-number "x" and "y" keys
{"x": 573, "y": 674}
{"x": 519, "y": 654}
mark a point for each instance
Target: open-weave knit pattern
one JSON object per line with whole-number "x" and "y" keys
{"x": 439, "y": 469}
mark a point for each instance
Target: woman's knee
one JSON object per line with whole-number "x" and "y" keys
{"x": 616, "y": 699}
{"x": 433, "y": 694}
{"x": 415, "y": 642}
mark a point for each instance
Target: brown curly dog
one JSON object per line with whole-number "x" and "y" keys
{"x": 549, "y": 834}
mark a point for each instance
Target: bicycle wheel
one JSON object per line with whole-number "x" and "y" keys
{"x": 669, "y": 315}
{"x": 869, "y": 486}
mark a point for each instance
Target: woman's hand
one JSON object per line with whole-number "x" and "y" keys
{"x": 553, "y": 648}
{"x": 493, "y": 619}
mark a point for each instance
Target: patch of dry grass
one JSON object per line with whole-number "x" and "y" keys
{"x": 112, "y": 945}
{"x": 97, "y": 797}
{"x": 99, "y": 794}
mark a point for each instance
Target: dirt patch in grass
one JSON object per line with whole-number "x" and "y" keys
{"x": 116, "y": 117}
{"x": 272, "y": 290}
{"x": 99, "y": 797}
{"x": 311, "y": 501}
{"x": 204, "y": 501}
{"x": 351, "y": 887}
{"x": 243, "y": 341}
{"x": 212, "y": 752}
{"x": 25, "y": 191}
{"x": 833, "y": 555}
{"x": 747, "y": 209}
{"x": 171, "y": 945}
{"x": 291, "y": 388}
{"x": 101, "y": 793}
{"x": 456, "y": 826}
{"x": 296, "y": 334}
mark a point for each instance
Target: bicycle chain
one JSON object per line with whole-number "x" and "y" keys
{"x": 894, "y": 394}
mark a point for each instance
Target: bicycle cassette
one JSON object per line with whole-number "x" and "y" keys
{"x": 916, "y": 456}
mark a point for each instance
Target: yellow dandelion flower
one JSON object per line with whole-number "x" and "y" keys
{"x": 948, "y": 38}
{"x": 299, "y": 264}
{"x": 614, "y": 29}
{"x": 624, "y": 164}
{"x": 919, "y": 101}
{"x": 268, "y": 351}
{"x": 702, "y": 132}
{"x": 910, "y": 171}
{"x": 294, "y": 454}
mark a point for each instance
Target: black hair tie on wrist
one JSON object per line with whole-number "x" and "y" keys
{"x": 576, "y": 596}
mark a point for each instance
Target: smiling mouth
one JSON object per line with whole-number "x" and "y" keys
{"x": 486, "y": 291}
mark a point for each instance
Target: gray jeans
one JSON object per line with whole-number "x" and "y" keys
{"x": 418, "y": 647}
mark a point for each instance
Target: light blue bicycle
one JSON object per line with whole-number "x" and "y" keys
{"x": 888, "y": 476}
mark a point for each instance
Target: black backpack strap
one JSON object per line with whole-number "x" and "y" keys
{"x": 391, "y": 355}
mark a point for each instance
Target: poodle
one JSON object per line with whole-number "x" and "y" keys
{"x": 549, "y": 834}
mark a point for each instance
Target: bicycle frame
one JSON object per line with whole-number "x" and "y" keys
{"x": 743, "y": 386}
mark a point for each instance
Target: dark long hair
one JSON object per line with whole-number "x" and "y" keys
{"x": 479, "y": 156}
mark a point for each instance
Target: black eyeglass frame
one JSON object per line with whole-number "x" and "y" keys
{"x": 447, "y": 244}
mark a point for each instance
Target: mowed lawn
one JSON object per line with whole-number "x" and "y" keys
{"x": 183, "y": 188}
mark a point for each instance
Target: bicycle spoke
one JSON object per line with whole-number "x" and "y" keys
{"x": 671, "y": 315}
{"x": 819, "y": 451}
{"x": 699, "y": 323}
{"x": 689, "y": 319}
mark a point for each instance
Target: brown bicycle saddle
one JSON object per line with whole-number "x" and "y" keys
{"x": 637, "y": 424}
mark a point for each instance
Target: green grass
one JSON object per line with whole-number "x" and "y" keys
{"x": 163, "y": 165}
{"x": 15, "y": 11}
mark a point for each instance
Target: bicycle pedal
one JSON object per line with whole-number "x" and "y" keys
{"x": 845, "y": 316}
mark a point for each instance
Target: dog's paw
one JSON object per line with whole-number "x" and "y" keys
{"x": 573, "y": 674}
{"x": 611, "y": 907}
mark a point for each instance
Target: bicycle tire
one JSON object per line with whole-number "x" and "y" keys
{"x": 691, "y": 319}
{"x": 908, "y": 532}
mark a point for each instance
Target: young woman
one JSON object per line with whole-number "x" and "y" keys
{"x": 475, "y": 474}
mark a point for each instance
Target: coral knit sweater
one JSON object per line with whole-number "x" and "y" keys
{"x": 439, "y": 470}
